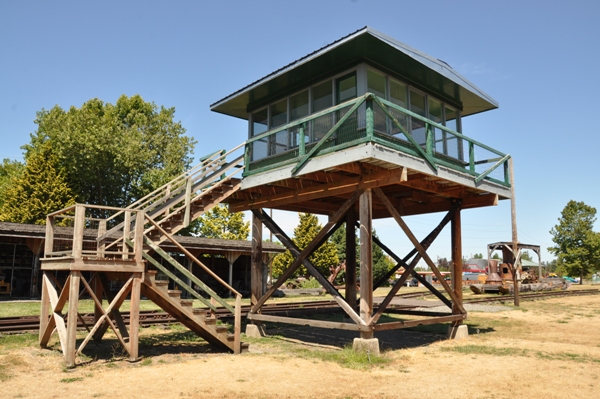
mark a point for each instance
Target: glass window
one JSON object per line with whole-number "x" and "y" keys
{"x": 260, "y": 121}
{"x": 417, "y": 105}
{"x": 398, "y": 93}
{"x": 322, "y": 96}
{"x": 299, "y": 105}
{"x": 435, "y": 110}
{"x": 279, "y": 113}
{"x": 398, "y": 96}
{"x": 376, "y": 83}
{"x": 451, "y": 118}
{"x": 346, "y": 88}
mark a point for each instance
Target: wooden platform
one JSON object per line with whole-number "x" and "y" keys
{"x": 327, "y": 181}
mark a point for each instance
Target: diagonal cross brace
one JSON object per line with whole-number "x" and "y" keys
{"x": 289, "y": 244}
{"x": 320, "y": 238}
{"x": 419, "y": 248}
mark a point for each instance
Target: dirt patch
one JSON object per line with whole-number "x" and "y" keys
{"x": 546, "y": 349}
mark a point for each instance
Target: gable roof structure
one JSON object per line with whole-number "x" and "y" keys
{"x": 365, "y": 45}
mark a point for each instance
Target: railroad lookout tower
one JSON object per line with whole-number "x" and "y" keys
{"x": 363, "y": 128}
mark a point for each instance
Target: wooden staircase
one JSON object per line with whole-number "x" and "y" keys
{"x": 124, "y": 252}
{"x": 197, "y": 320}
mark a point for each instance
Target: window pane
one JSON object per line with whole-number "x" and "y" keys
{"x": 299, "y": 105}
{"x": 322, "y": 96}
{"x": 376, "y": 83}
{"x": 346, "y": 88}
{"x": 260, "y": 122}
{"x": 398, "y": 96}
{"x": 417, "y": 105}
{"x": 279, "y": 114}
{"x": 435, "y": 110}
{"x": 451, "y": 115}
{"x": 398, "y": 93}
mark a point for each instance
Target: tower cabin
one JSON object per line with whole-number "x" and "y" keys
{"x": 365, "y": 127}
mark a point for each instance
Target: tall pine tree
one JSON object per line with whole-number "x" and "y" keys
{"x": 39, "y": 190}
{"x": 324, "y": 257}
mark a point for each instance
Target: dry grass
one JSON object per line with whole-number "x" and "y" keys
{"x": 546, "y": 349}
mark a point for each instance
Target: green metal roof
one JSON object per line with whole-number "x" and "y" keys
{"x": 365, "y": 45}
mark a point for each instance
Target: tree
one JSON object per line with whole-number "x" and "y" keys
{"x": 8, "y": 170}
{"x": 113, "y": 154}
{"x": 218, "y": 222}
{"x": 381, "y": 263}
{"x": 478, "y": 256}
{"x": 324, "y": 257}
{"x": 526, "y": 256}
{"x": 39, "y": 190}
{"x": 577, "y": 246}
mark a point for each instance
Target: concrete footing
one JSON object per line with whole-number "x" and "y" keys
{"x": 370, "y": 345}
{"x": 255, "y": 330}
{"x": 458, "y": 332}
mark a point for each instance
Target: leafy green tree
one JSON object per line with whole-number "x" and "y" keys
{"x": 381, "y": 263}
{"x": 577, "y": 246}
{"x": 8, "y": 170}
{"x": 478, "y": 256}
{"x": 39, "y": 190}
{"x": 218, "y": 222}
{"x": 324, "y": 257}
{"x": 525, "y": 255}
{"x": 496, "y": 256}
{"x": 113, "y": 154}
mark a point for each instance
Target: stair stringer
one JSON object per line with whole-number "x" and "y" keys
{"x": 186, "y": 317}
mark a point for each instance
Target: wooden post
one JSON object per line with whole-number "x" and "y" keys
{"x": 49, "y": 244}
{"x": 44, "y": 313}
{"x": 126, "y": 228}
{"x": 102, "y": 243}
{"x": 134, "y": 316}
{"x": 515, "y": 238}
{"x": 138, "y": 237}
{"x": 98, "y": 292}
{"x": 366, "y": 260}
{"x": 237, "y": 325}
{"x": 455, "y": 227}
{"x": 256, "y": 277}
{"x": 188, "y": 200}
{"x": 351, "y": 258}
{"x": 72, "y": 320}
{"x": 78, "y": 231}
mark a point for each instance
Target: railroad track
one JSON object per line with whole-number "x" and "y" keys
{"x": 534, "y": 296}
{"x": 151, "y": 317}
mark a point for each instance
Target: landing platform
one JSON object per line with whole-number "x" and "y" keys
{"x": 92, "y": 264}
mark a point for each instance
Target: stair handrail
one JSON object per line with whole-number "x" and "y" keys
{"x": 192, "y": 257}
{"x": 205, "y": 168}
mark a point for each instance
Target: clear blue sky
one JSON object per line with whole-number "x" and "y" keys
{"x": 539, "y": 60}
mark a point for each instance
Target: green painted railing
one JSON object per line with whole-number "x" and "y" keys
{"x": 373, "y": 119}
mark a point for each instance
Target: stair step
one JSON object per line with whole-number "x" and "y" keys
{"x": 174, "y": 293}
{"x": 186, "y": 302}
{"x": 221, "y": 329}
{"x": 151, "y": 275}
{"x": 210, "y": 322}
{"x": 162, "y": 284}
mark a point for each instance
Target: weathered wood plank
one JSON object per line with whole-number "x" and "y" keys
{"x": 395, "y": 325}
{"x": 305, "y": 322}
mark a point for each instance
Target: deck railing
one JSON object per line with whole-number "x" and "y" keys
{"x": 372, "y": 119}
